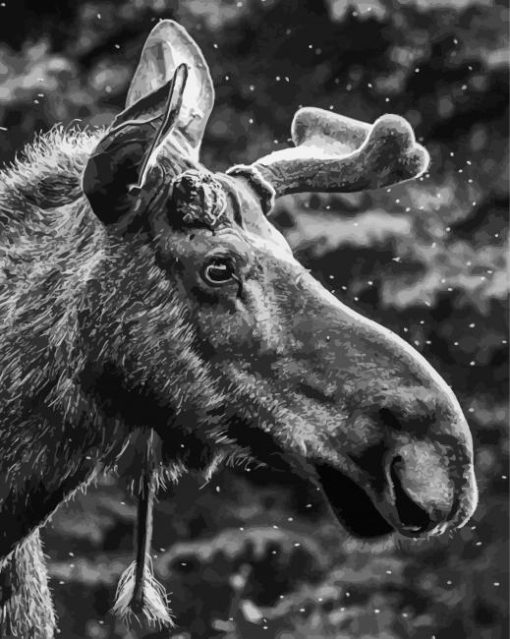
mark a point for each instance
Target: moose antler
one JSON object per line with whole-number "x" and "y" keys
{"x": 334, "y": 153}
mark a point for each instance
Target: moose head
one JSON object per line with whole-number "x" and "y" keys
{"x": 199, "y": 329}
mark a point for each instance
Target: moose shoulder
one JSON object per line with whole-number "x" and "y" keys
{"x": 151, "y": 312}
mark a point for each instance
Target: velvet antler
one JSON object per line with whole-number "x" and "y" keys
{"x": 334, "y": 153}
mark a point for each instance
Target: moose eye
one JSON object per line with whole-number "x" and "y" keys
{"x": 218, "y": 271}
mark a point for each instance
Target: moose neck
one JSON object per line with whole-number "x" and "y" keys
{"x": 106, "y": 346}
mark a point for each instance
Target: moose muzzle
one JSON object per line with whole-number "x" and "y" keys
{"x": 397, "y": 452}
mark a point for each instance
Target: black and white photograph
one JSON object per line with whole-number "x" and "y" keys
{"x": 254, "y": 319}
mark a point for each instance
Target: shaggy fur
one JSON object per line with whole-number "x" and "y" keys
{"x": 73, "y": 384}
{"x": 26, "y": 608}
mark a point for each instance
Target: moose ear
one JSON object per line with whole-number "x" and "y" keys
{"x": 168, "y": 46}
{"x": 167, "y": 108}
{"x": 127, "y": 170}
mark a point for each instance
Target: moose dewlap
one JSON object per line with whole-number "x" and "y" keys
{"x": 154, "y": 321}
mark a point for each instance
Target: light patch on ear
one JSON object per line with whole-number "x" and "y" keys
{"x": 168, "y": 46}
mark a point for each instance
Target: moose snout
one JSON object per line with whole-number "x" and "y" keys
{"x": 399, "y": 433}
{"x": 421, "y": 495}
{"x": 429, "y": 490}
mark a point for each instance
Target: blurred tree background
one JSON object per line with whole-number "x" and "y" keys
{"x": 255, "y": 554}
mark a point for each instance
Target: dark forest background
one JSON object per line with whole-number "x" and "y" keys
{"x": 255, "y": 554}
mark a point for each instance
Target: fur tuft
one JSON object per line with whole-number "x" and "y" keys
{"x": 151, "y": 602}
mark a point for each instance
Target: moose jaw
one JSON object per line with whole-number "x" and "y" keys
{"x": 156, "y": 322}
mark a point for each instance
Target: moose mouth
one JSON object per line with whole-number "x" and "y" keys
{"x": 351, "y": 505}
{"x": 357, "y": 513}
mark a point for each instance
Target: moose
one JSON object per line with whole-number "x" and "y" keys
{"x": 154, "y": 322}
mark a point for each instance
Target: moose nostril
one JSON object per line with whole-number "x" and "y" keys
{"x": 414, "y": 518}
{"x": 389, "y": 419}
